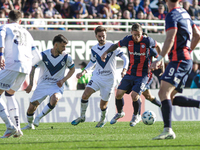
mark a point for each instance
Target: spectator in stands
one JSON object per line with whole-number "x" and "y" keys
{"x": 130, "y": 10}
{"x": 186, "y": 6}
{"x": 97, "y": 11}
{"x": 136, "y": 5}
{"x": 115, "y": 7}
{"x": 80, "y": 9}
{"x": 66, "y": 10}
{"x": 28, "y": 16}
{"x": 164, "y": 3}
{"x": 42, "y": 4}
{"x": 161, "y": 14}
{"x": 196, "y": 9}
{"x": 58, "y": 4}
{"x": 146, "y": 9}
{"x": 52, "y": 13}
{"x": 122, "y": 4}
{"x": 7, "y": 6}
{"x": 108, "y": 10}
{"x": 36, "y": 9}
{"x": 17, "y": 4}
{"x": 140, "y": 15}
{"x": 194, "y": 72}
{"x": 2, "y": 15}
{"x": 37, "y": 22}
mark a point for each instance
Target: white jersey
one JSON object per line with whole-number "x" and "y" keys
{"x": 52, "y": 69}
{"x": 104, "y": 71}
{"x": 18, "y": 45}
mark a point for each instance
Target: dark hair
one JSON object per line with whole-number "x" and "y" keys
{"x": 99, "y": 29}
{"x": 136, "y": 27}
{"x": 14, "y": 15}
{"x": 60, "y": 38}
{"x": 174, "y": 1}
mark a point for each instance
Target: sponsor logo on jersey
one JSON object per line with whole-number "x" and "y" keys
{"x": 104, "y": 72}
{"x": 50, "y": 79}
{"x": 138, "y": 54}
{"x": 177, "y": 80}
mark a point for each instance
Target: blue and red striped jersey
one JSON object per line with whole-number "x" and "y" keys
{"x": 140, "y": 54}
{"x": 179, "y": 19}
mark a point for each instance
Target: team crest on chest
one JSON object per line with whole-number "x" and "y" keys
{"x": 63, "y": 63}
{"x": 143, "y": 46}
{"x": 109, "y": 54}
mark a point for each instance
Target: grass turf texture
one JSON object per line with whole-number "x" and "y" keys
{"x": 118, "y": 136}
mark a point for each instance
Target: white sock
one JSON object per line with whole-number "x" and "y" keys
{"x": 46, "y": 110}
{"x": 13, "y": 110}
{"x": 103, "y": 114}
{"x": 4, "y": 113}
{"x": 83, "y": 108}
{"x": 30, "y": 119}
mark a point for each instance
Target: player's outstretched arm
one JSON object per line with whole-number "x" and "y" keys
{"x": 110, "y": 49}
{"x": 31, "y": 77}
{"x": 69, "y": 74}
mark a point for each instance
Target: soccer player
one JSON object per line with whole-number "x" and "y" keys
{"x": 16, "y": 53}
{"x": 103, "y": 78}
{"x": 182, "y": 36}
{"x": 140, "y": 50}
{"x": 51, "y": 78}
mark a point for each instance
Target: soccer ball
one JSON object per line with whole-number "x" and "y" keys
{"x": 148, "y": 117}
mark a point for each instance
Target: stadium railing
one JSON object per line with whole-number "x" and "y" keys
{"x": 90, "y": 24}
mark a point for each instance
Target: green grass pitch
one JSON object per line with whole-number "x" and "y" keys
{"x": 121, "y": 136}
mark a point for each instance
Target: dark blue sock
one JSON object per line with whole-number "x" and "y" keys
{"x": 167, "y": 112}
{"x": 120, "y": 104}
{"x": 156, "y": 102}
{"x": 50, "y": 106}
{"x": 185, "y": 102}
{"x": 84, "y": 101}
{"x": 137, "y": 106}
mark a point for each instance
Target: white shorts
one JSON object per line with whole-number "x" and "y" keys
{"x": 106, "y": 88}
{"x": 41, "y": 93}
{"x": 11, "y": 80}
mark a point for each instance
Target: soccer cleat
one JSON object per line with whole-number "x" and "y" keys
{"x": 100, "y": 124}
{"x": 78, "y": 120}
{"x": 135, "y": 119}
{"x": 116, "y": 117}
{"x": 165, "y": 135}
{"x": 28, "y": 127}
{"x": 9, "y": 132}
{"x": 19, "y": 133}
{"x": 36, "y": 121}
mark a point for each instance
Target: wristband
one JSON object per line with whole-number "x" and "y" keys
{"x": 159, "y": 58}
{"x": 1, "y": 54}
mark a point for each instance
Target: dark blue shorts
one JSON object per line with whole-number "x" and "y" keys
{"x": 177, "y": 73}
{"x": 133, "y": 83}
